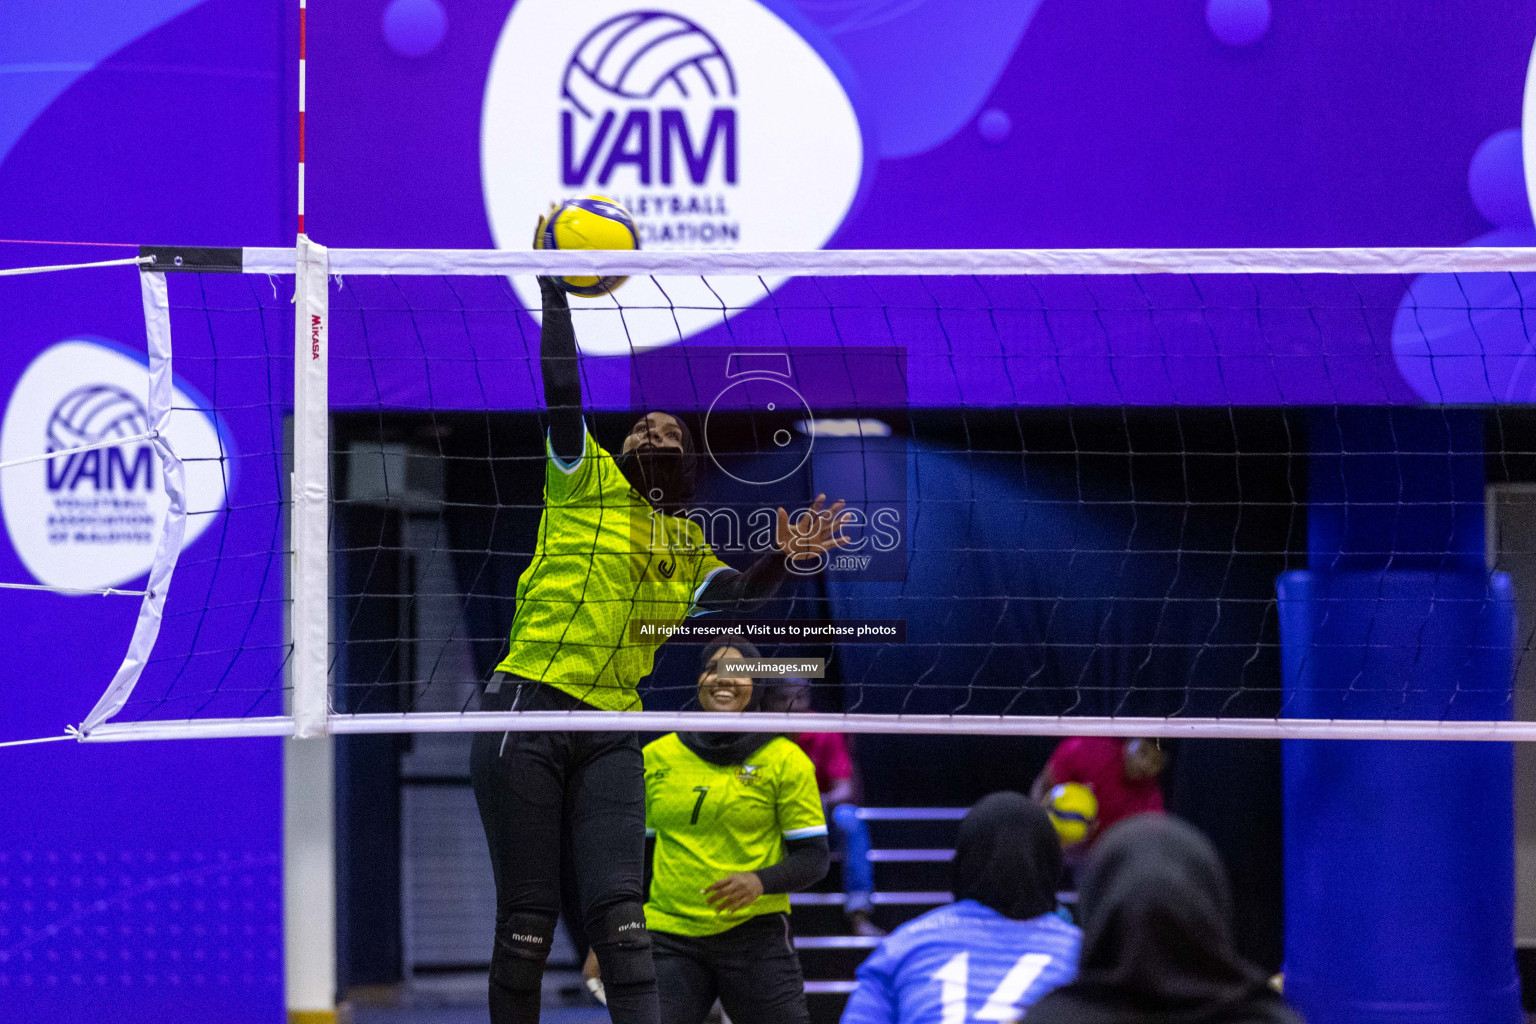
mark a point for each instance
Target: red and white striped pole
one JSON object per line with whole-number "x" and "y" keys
{"x": 303, "y": 46}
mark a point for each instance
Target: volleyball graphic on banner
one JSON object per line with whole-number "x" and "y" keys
{"x": 93, "y": 414}
{"x": 91, "y": 519}
{"x": 648, "y": 55}
{"x": 713, "y": 122}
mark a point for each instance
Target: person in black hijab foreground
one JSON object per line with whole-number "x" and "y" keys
{"x": 1157, "y": 937}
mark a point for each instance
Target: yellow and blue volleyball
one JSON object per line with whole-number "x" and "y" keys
{"x": 1074, "y": 810}
{"x": 591, "y": 222}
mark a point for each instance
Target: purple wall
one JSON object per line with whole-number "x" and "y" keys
{"x": 987, "y": 123}
{"x": 140, "y": 882}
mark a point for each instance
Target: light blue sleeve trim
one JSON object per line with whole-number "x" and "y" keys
{"x": 650, "y": 833}
{"x": 567, "y": 467}
{"x": 693, "y": 605}
{"x": 805, "y": 833}
{"x": 712, "y": 574}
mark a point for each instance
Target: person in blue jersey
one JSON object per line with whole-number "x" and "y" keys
{"x": 997, "y": 949}
{"x": 1157, "y": 937}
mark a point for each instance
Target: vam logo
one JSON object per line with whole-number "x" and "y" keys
{"x": 660, "y": 72}
{"x": 90, "y": 415}
{"x": 92, "y": 519}
{"x": 712, "y": 121}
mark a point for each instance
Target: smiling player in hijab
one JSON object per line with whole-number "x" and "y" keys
{"x": 735, "y": 825}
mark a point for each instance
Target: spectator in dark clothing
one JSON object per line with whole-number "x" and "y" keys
{"x": 1157, "y": 937}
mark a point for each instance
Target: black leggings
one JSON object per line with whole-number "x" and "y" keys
{"x": 564, "y": 814}
{"x": 752, "y": 969}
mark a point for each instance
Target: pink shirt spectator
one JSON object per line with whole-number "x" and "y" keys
{"x": 829, "y": 753}
{"x": 1099, "y": 762}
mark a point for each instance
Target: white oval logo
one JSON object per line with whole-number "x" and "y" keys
{"x": 92, "y": 519}
{"x": 711, "y": 121}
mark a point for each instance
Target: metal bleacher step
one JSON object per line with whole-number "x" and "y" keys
{"x": 836, "y": 941}
{"x": 905, "y": 856}
{"x": 881, "y": 899}
{"x": 911, "y": 813}
{"x": 821, "y": 913}
{"x": 833, "y": 957}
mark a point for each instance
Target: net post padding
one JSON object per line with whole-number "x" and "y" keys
{"x": 157, "y": 328}
{"x": 310, "y": 618}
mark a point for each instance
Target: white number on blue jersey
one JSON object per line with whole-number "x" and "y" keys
{"x": 953, "y": 978}
{"x": 1003, "y": 1004}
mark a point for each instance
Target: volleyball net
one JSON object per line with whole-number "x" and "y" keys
{"x": 1118, "y": 492}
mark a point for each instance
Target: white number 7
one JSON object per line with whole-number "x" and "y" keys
{"x": 1002, "y": 1004}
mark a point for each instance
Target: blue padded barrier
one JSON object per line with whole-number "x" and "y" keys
{"x": 1399, "y": 857}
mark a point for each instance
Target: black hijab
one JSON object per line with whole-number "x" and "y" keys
{"x": 665, "y": 477}
{"x": 1008, "y": 857}
{"x": 1157, "y": 937}
{"x": 728, "y": 747}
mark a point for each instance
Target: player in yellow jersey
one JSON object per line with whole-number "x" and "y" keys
{"x": 734, "y": 824}
{"x": 570, "y": 806}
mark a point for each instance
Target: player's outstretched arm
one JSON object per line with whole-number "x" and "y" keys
{"x": 732, "y": 591}
{"x": 562, "y": 376}
{"x": 558, "y": 366}
{"x": 804, "y": 539}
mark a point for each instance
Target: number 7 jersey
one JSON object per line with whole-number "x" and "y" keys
{"x": 712, "y": 820}
{"x": 963, "y": 963}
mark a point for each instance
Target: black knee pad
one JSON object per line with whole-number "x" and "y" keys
{"x": 623, "y": 946}
{"x": 522, "y": 946}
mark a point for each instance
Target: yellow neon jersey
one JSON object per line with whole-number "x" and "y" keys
{"x": 604, "y": 557}
{"x": 713, "y": 820}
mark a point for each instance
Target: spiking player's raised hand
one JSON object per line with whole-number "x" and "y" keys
{"x": 812, "y": 532}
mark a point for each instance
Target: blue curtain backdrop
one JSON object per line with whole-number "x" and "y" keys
{"x": 1087, "y": 563}
{"x": 1114, "y": 580}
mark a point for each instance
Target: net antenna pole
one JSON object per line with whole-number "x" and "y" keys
{"x": 303, "y": 59}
